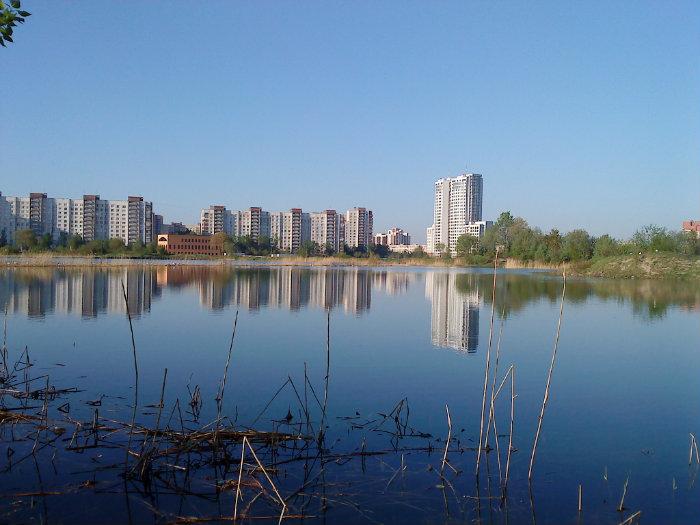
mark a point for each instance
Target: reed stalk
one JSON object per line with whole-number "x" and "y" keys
{"x": 512, "y": 425}
{"x": 488, "y": 365}
{"x": 136, "y": 379}
{"x": 549, "y": 381}
{"x": 447, "y": 441}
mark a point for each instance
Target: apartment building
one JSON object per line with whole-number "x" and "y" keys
{"x": 253, "y": 223}
{"x": 217, "y": 219}
{"x": 358, "y": 228}
{"x": 394, "y": 237}
{"x": 290, "y": 229}
{"x": 91, "y": 218}
{"x": 457, "y": 210}
{"x": 328, "y": 229}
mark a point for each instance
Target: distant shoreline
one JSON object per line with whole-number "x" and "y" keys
{"x": 46, "y": 260}
{"x": 644, "y": 266}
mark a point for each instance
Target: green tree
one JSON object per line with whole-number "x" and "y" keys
{"x": 606, "y": 246}
{"x": 3, "y": 238}
{"x": 553, "y": 247}
{"x": 308, "y": 249}
{"x": 380, "y": 250}
{"x": 577, "y": 245}
{"x": 25, "y": 239}
{"x": 115, "y": 245}
{"x": 466, "y": 244}
{"x": 11, "y": 14}
{"x": 653, "y": 238}
{"x": 44, "y": 242}
{"x": 688, "y": 243}
{"x": 419, "y": 252}
{"x": 219, "y": 241}
{"x": 74, "y": 242}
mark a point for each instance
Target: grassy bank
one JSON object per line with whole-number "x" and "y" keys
{"x": 52, "y": 259}
{"x": 645, "y": 266}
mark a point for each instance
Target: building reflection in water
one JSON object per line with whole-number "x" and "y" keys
{"x": 93, "y": 291}
{"x": 454, "y": 318}
{"x": 290, "y": 288}
{"x": 88, "y": 292}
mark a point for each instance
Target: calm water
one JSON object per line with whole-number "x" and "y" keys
{"x": 625, "y": 391}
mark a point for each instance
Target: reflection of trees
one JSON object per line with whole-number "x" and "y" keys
{"x": 650, "y": 299}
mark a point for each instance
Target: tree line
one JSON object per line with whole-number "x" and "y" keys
{"x": 247, "y": 245}
{"x": 27, "y": 241}
{"x": 512, "y": 237}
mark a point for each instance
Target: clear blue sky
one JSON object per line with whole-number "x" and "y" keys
{"x": 578, "y": 114}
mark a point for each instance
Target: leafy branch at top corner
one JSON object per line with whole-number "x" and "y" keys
{"x": 11, "y": 14}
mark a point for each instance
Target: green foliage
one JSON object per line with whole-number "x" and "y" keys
{"x": 379, "y": 250}
{"x": 606, "y": 246}
{"x": 25, "y": 239}
{"x": 10, "y": 15}
{"x": 688, "y": 243}
{"x": 115, "y": 246}
{"x": 466, "y": 244}
{"x": 44, "y": 242}
{"x": 577, "y": 245}
{"x": 419, "y": 253}
{"x": 3, "y": 238}
{"x": 74, "y": 242}
{"x": 309, "y": 249}
{"x": 654, "y": 238}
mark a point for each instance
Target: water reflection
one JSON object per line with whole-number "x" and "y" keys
{"x": 454, "y": 317}
{"x": 456, "y": 297}
{"x": 88, "y": 293}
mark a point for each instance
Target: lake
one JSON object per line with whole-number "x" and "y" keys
{"x": 350, "y": 370}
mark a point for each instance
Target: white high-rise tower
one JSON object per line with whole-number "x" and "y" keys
{"x": 457, "y": 210}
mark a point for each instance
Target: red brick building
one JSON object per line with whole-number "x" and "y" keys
{"x": 692, "y": 226}
{"x": 188, "y": 244}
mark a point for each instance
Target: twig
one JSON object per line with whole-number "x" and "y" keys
{"x": 160, "y": 406}
{"x": 262, "y": 467}
{"x": 621, "y": 506}
{"x": 488, "y": 364}
{"x": 631, "y": 519}
{"x": 220, "y": 397}
{"x": 549, "y": 381}
{"x": 240, "y": 475}
{"x": 321, "y": 430}
{"x": 580, "y": 498}
{"x": 447, "y": 441}
{"x": 512, "y": 424}
{"x": 136, "y": 378}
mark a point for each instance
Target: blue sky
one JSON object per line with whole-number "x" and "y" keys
{"x": 578, "y": 114}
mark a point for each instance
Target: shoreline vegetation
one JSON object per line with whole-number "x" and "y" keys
{"x": 653, "y": 252}
{"x": 638, "y": 266}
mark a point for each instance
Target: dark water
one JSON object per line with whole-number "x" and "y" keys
{"x": 625, "y": 391}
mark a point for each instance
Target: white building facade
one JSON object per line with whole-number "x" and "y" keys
{"x": 457, "y": 210}
{"x": 290, "y": 229}
{"x": 358, "y": 228}
{"x": 91, "y": 218}
{"x": 217, "y": 219}
{"x": 328, "y": 229}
